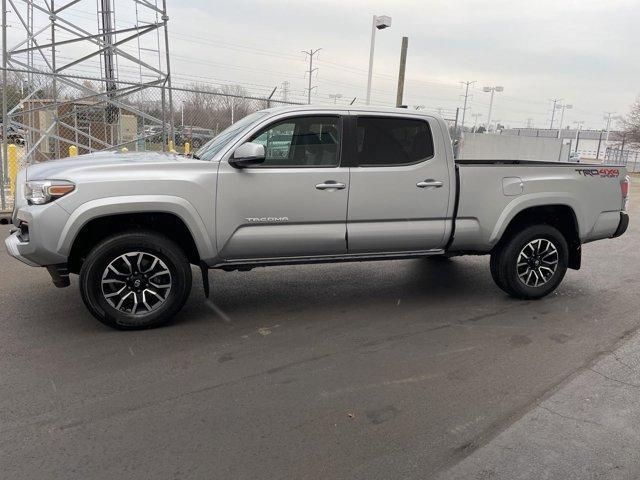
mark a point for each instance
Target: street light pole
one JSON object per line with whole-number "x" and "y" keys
{"x": 492, "y": 90}
{"x": 379, "y": 22}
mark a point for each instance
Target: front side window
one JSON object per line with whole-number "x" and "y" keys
{"x": 301, "y": 142}
{"x": 217, "y": 143}
{"x": 393, "y": 141}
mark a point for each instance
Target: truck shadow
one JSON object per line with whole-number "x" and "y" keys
{"x": 327, "y": 289}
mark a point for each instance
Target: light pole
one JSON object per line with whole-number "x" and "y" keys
{"x": 379, "y": 23}
{"x": 335, "y": 96}
{"x": 563, "y": 107}
{"x": 492, "y": 90}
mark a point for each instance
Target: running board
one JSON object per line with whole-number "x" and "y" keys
{"x": 249, "y": 263}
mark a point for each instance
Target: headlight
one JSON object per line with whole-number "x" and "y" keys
{"x": 39, "y": 192}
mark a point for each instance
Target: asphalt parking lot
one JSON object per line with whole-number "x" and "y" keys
{"x": 382, "y": 370}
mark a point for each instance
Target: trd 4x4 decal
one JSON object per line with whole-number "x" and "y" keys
{"x": 599, "y": 172}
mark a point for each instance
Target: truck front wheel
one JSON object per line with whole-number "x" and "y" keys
{"x": 531, "y": 263}
{"x": 135, "y": 280}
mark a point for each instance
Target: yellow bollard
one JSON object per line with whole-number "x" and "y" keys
{"x": 124, "y": 150}
{"x": 73, "y": 151}
{"x": 187, "y": 148}
{"x": 171, "y": 149}
{"x": 12, "y": 167}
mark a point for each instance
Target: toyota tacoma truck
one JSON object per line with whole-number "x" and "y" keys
{"x": 300, "y": 185}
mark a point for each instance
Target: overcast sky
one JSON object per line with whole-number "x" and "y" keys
{"x": 583, "y": 51}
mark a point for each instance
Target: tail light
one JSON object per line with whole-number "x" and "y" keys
{"x": 624, "y": 188}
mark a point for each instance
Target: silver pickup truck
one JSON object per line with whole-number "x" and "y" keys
{"x": 301, "y": 185}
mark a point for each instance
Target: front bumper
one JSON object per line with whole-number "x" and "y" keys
{"x": 623, "y": 225}
{"x": 14, "y": 245}
{"x": 39, "y": 245}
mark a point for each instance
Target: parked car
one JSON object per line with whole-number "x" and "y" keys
{"x": 194, "y": 135}
{"x": 298, "y": 185}
{"x": 15, "y": 134}
{"x": 153, "y": 133}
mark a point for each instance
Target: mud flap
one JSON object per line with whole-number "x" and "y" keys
{"x": 204, "y": 270}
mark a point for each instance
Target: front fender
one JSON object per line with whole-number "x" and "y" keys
{"x": 136, "y": 204}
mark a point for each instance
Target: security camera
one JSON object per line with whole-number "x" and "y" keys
{"x": 383, "y": 21}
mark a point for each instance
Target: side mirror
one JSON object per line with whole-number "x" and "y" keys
{"x": 247, "y": 154}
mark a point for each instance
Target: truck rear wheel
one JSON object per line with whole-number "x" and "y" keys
{"x": 531, "y": 263}
{"x": 135, "y": 280}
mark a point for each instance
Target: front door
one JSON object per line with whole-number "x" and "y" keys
{"x": 292, "y": 205}
{"x": 400, "y": 188}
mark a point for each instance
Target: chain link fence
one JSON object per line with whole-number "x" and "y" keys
{"x": 47, "y": 120}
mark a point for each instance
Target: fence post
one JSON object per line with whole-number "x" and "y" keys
{"x": 12, "y": 156}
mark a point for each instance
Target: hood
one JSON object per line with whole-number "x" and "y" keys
{"x": 68, "y": 167}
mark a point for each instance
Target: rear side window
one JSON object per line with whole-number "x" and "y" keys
{"x": 393, "y": 141}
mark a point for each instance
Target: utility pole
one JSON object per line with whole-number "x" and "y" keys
{"x": 311, "y": 53}
{"x": 403, "y": 65}
{"x": 5, "y": 117}
{"x": 553, "y": 110}
{"x": 579, "y": 127}
{"x": 609, "y": 116}
{"x": 475, "y": 121}
{"x": 466, "y": 97}
{"x": 563, "y": 106}
{"x": 285, "y": 91}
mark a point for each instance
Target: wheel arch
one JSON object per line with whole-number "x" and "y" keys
{"x": 88, "y": 225}
{"x": 560, "y": 216}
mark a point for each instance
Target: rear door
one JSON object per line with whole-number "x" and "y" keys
{"x": 400, "y": 187}
{"x": 295, "y": 203}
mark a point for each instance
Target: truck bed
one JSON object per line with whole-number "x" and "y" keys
{"x": 490, "y": 192}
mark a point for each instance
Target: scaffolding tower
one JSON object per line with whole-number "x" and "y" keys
{"x": 72, "y": 92}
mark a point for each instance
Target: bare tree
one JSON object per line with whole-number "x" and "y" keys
{"x": 631, "y": 124}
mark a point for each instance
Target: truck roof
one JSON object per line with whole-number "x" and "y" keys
{"x": 350, "y": 108}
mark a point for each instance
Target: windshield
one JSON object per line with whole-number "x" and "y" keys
{"x": 213, "y": 146}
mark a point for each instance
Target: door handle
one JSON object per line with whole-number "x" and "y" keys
{"x": 429, "y": 183}
{"x": 330, "y": 185}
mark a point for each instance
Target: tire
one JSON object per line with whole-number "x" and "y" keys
{"x": 123, "y": 281}
{"x": 531, "y": 263}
